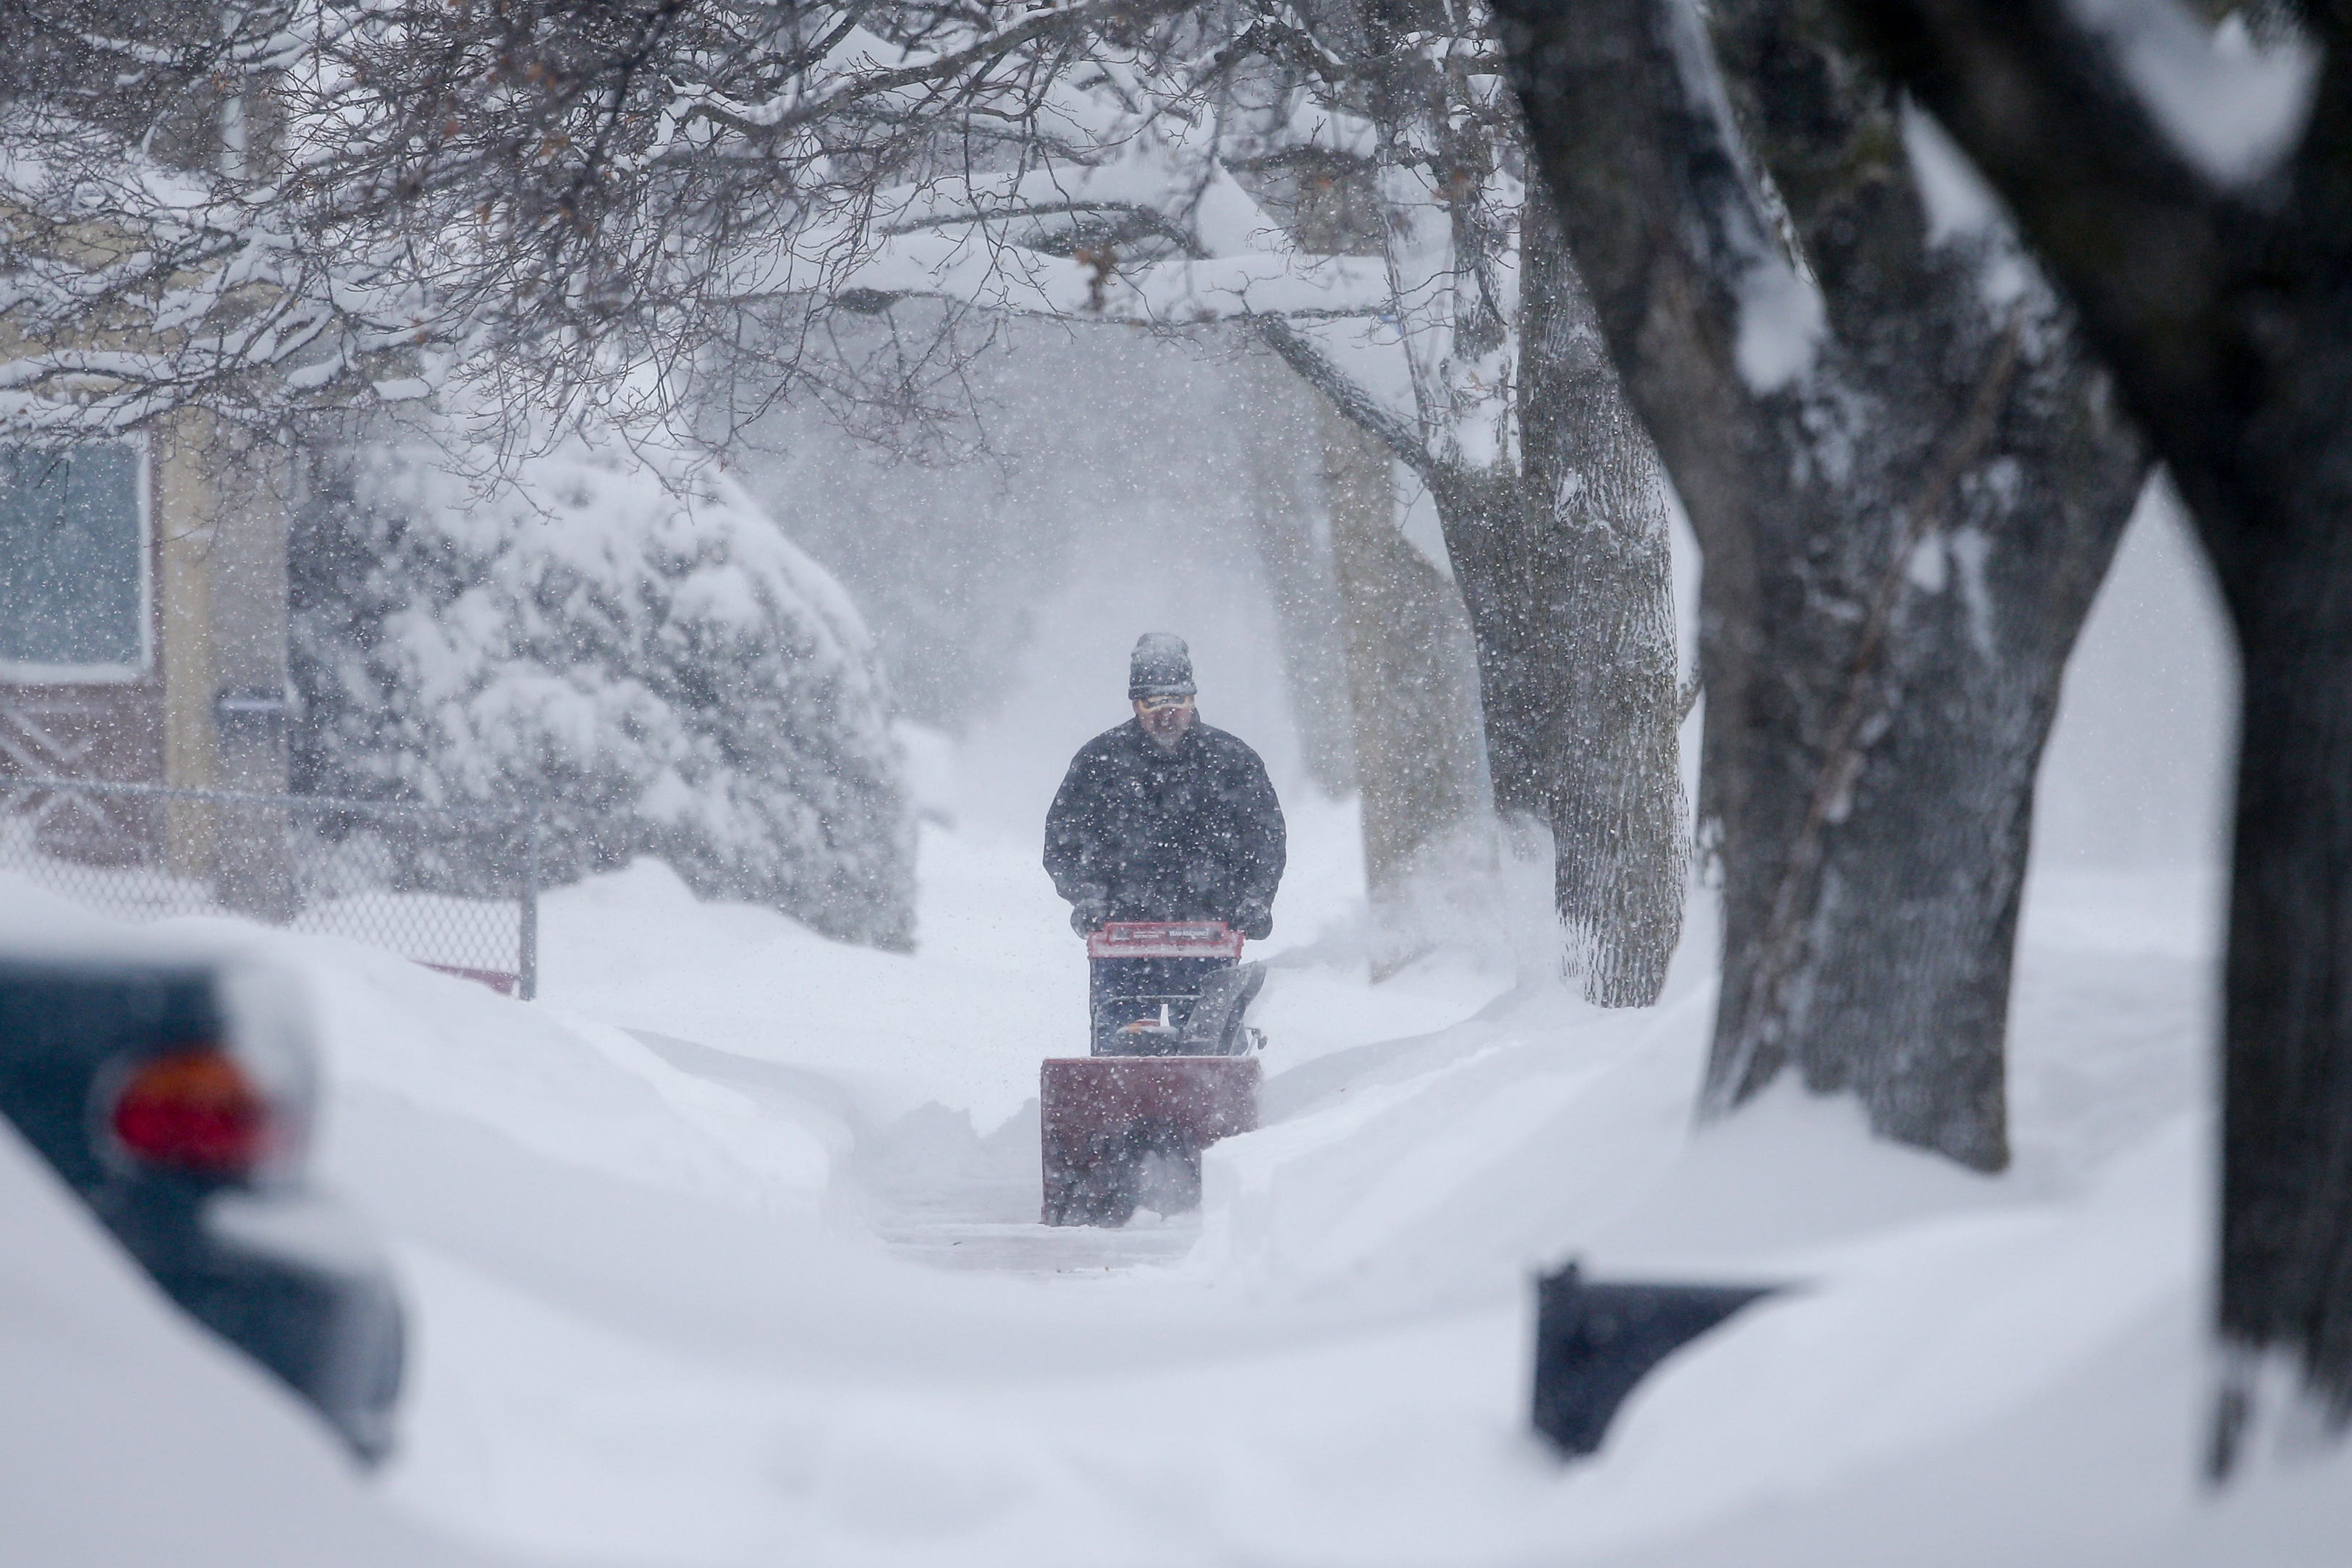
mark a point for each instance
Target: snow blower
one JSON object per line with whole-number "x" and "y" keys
{"x": 1171, "y": 1069}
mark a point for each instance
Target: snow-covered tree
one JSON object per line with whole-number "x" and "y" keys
{"x": 157, "y": 254}
{"x": 287, "y": 206}
{"x": 1906, "y": 474}
{"x": 2192, "y": 201}
{"x": 641, "y": 656}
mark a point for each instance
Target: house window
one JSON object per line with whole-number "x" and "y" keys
{"x": 73, "y": 562}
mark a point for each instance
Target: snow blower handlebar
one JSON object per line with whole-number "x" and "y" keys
{"x": 1164, "y": 940}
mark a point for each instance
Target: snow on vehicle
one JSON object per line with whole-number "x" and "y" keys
{"x": 1171, "y": 1069}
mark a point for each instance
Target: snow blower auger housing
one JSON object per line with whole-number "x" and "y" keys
{"x": 1171, "y": 1069}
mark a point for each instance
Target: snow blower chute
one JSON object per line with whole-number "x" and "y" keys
{"x": 1171, "y": 1069}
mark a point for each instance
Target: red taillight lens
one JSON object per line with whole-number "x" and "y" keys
{"x": 195, "y": 1110}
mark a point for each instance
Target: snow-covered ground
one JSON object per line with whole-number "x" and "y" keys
{"x": 725, "y": 1252}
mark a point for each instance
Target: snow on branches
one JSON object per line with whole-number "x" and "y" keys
{"x": 331, "y": 204}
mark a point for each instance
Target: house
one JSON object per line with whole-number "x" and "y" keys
{"x": 142, "y": 633}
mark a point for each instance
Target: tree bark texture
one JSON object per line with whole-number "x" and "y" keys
{"x": 1905, "y": 488}
{"x": 2227, "y": 315}
{"x": 1412, "y": 693}
{"x": 1553, "y": 526}
{"x": 1565, "y": 571}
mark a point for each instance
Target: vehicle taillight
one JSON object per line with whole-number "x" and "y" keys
{"x": 195, "y": 1110}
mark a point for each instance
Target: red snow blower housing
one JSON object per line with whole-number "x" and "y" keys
{"x": 1171, "y": 1070}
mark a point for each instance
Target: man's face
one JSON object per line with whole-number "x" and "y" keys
{"x": 1165, "y": 719}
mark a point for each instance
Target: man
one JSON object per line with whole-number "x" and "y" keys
{"x": 1165, "y": 818}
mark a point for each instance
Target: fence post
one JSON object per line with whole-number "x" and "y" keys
{"x": 253, "y": 858}
{"x": 527, "y": 982}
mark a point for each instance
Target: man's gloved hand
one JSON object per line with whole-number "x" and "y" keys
{"x": 1255, "y": 921}
{"x": 1086, "y": 916}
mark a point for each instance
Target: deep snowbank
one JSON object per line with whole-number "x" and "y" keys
{"x": 726, "y": 1253}
{"x": 728, "y": 1250}
{"x": 128, "y": 1435}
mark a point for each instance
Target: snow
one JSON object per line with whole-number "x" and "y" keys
{"x": 2232, "y": 107}
{"x": 1782, "y": 321}
{"x": 725, "y": 1252}
{"x": 1958, "y": 201}
{"x": 133, "y": 1436}
{"x": 631, "y": 646}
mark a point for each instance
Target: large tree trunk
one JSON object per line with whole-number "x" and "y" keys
{"x": 1905, "y": 505}
{"x": 2286, "y": 1125}
{"x": 1876, "y": 851}
{"x": 1567, "y": 572}
{"x": 2228, "y": 318}
{"x": 1559, "y": 547}
{"x": 1566, "y": 589}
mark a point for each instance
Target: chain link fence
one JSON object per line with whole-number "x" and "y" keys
{"x": 454, "y": 888}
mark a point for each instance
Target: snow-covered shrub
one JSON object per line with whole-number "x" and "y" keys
{"x": 653, "y": 663}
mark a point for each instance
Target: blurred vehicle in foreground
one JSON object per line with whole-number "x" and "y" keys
{"x": 174, "y": 1094}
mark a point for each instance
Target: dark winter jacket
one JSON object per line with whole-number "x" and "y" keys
{"x": 1141, "y": 832}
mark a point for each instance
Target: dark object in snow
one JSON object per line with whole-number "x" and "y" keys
{"x": 1139, "y": 830}
{"x": 1595, "y": 1342}
{"x": 1172, "y": 1072}
{"x": 1160, "y": 666}
{"x": 173, "y": 1095}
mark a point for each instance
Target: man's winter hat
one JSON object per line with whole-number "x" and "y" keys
{"x": 1160, "y": 666}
